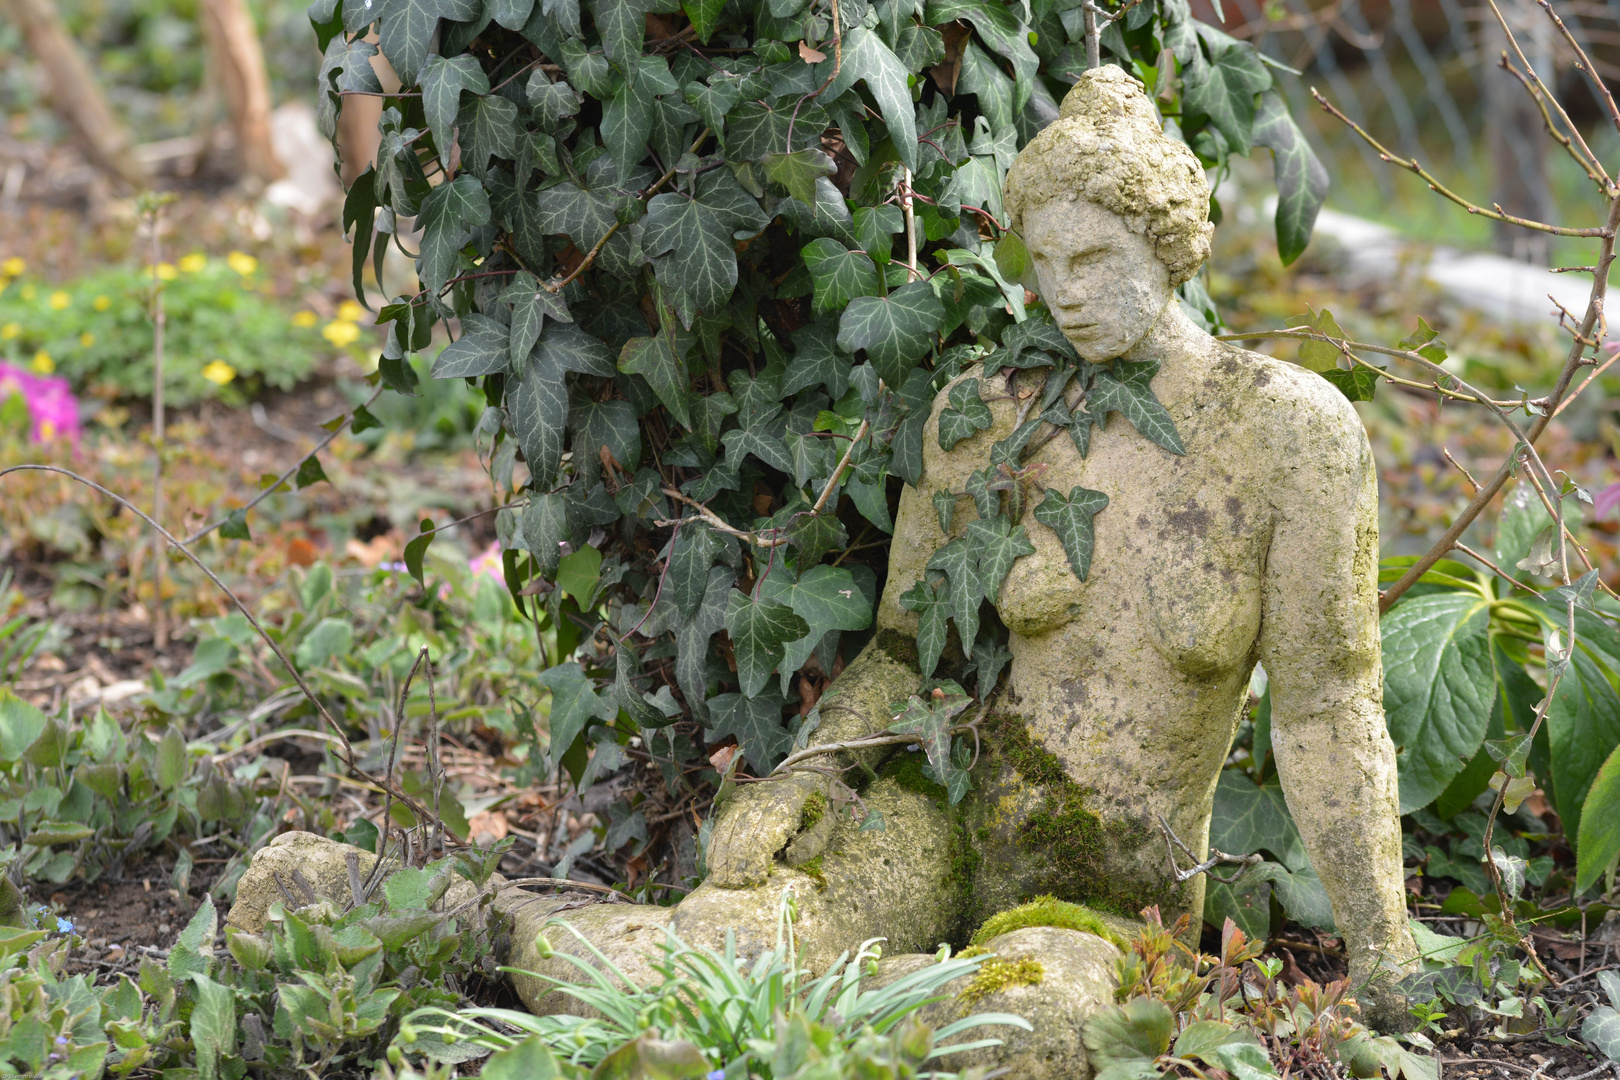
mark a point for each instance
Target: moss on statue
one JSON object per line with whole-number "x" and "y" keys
{"x": 901, "y": 649}
{"x": 813, "y": 871}
{"x": 815, "y": 808}
{"x": 998, "y": 974}
{"x": 1049, "y": 911}
{"x": 1067, "y": 841}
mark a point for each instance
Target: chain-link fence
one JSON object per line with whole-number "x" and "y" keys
{"x": 1424, "y": 75}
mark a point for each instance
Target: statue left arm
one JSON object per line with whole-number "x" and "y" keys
{"x": 1319, "y": 643}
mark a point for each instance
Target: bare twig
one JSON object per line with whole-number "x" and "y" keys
{"x": 1209, "y": 864}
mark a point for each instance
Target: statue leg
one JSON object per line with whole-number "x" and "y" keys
{"x": 893, "y": 883}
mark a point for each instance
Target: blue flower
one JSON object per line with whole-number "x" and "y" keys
{"x": 61, "y": 1040}
{"x": 64, "y": 925}
{"x": 718, "y": 1074}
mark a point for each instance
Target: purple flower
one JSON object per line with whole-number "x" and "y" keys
{"x": 61, "y": 1040}
{"x": 1604, "y": 502}
{"x": 51, "y": 404}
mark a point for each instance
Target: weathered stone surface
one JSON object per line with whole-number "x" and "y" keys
{"x": 1075, "y": 978}
{"x": 629, "y": 935}
{"x": 324, "y": 865}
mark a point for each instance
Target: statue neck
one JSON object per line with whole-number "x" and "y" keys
{"x": 1173, "y": 335}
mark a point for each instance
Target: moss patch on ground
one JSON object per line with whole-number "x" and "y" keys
{"x": 1049, "y": 911}
{"x": 999, "y": 974}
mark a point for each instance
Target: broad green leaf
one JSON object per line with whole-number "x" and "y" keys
{"x": 875, "y": 228}
{"x": 359, "y": 214}
{"x": 627, "y": 119}
{"x": 574, "y": 704}
{"x": 999, "y": 545}
{"x": 489, "y": 128}
{"x": 1600, "y": 827}
{"x": 563, "y": 347}
{"x": 760, "y": 631}
{"x": 655, "y": 360}
{"x": 924, "y": 599}
{"x": 705, "y": 16}
{"x": 545, "y": 527}
{"x": 552, "y": 102}
{"x": 894, "y": 330}
{"x": 1138, "y": 1030}
{"x": 827, "y": 598}
{"x": 1245, "y": 1060}
{"x": 578, "y": 573}
{"x": 839, "y": 274}
{"x": 959, "y": 562}
{"x": 1071, "y": 518}
{"x": 799, "y": 171}
{"x": 999, "y": 27}
{"x": 1583, "y": 729}
{"x": 512, "y": 14}
{"x": 604, "y": 424}
{"x": 213, "y": 1024}
{"x": 757, "y": 725}
{"x": 20, "y": 725}
{"x": 328, "y": 639}
{"x": 309, "y": 473}
{"x": 866, "y": 58}
{"x": 526, "y": 1060}
{"x": 1201, "y": 1037}
{"x": 692, "y": 252}
{"x": 1248, "y": 818}
{"x": 764, "y": 437}
{"x": 1438, "y": 688}
{"x": 622, "y": 24}
{"x": 1302, "y": 181}
{"x": 407, "y": 28}
{"x": 695, "y": 548}
{"x": 692, "y": 637}
{"x": 817, "y": 360}
{"x": 1127, "y": 390}
{"x": 532, "y": 305}
{"x": 538, "y": 413}
{"x": 1225, "y": 88}
{"x": 967, "y": 415}
{"x": 484, "y": 348}
{"x": 448, "y": 214}
{"x": 193, "y": 953}
{"x": 443, "y": 80}
{"x": 1601, "y": 1031}
{"x": 713, "y": 100}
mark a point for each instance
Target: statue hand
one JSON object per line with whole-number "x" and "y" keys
{"x": 756, "y": 823}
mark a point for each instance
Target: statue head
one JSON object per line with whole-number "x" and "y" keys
{"x": 1115, "y": 213}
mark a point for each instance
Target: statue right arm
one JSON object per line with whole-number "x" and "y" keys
{"x": 763, "y": 818}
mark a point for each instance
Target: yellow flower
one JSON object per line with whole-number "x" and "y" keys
{"x": 241, "y": 263}
{"x": 341, "y": 333}
{"x": 13, "y": 267}
{"x": 87, "y": 339}
{"x": 102, "y": 303}
{"x": 218, "y": 372}
{"x": 59, "y": 300}
{"x": 349, "y": 311}
{"x": 304, "y": 320}
{"x": 9, "y": 331}
{"x": 193, "y": 262}
{"x": 165, "y": 271}
{"x": 43, "y": 364}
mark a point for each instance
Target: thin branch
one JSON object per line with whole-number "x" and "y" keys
{"x": 1583, "y": 63}
{"x": 1493, "y": 568}
{"x": 1208, "y": 865}
{"x": 1412, "y": 166}
{"x": 838, "y": 473}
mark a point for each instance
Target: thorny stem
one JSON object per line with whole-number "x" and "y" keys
{"x": 348, "y": 750}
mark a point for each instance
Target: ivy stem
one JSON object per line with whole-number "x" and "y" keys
{"x": 838, "y": 473}
{"x": 911, "y": 227}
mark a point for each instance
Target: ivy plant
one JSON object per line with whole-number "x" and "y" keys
{"x": 709, "y": 261}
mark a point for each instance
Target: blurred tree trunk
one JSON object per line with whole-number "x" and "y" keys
{"x": 238, "y": 61}
{"x": 1514, "y": 132}
{"x": 75, "y": 94}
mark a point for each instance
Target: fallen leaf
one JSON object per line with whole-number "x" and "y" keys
{"x": 809, "y": 55}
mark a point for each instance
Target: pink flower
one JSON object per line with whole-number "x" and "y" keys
{"x": 488, "y": 562}
{"x": 54, "y": 409}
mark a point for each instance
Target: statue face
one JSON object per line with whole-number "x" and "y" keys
{"x": 1103, "y": 282}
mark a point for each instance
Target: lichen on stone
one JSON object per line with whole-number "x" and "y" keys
{"x": 1048, "y": 911}
{"x": 998, "y": 974}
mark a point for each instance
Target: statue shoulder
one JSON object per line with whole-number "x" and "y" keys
{"x": 1305, "y": 416}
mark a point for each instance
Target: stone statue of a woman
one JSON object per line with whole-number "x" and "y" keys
{"x": 1257, "y": 543}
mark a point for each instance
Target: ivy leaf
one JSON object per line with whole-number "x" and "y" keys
{"x": 1071, "y": 519}
{"x": 310, "y": 472}
{"x": 967, "y": 415}
{"x": 1000, "y": 28}
{"x": 622, "y": 24}
{"x": 760, "y": 631}
{"x": 1000, "y": 545}
{"x": 407, "y": 29}
{"x": 416, "y": 550}
{"x": 512, "y": 14}
{"x": 799, "y": 171}
{"x": 235, "y": 526}
{"x": 489, "y": 128}
{"x": 813, "y": 537}
{"x": 827, "y": 598}
{"x": 757, "y": 724}
{"x": 443, "y": 80}
{"x": 1302, "y": 182}
{"x": 692, "y": 254}
{"x": 626, "y": 687}
{"x": 1358, "y": 383}
{"x": 959, "y": 562}
{"x": 930, "y": 721}
{"x": 448, "y": 214}
{"x": 564, "y": 347}
{"x": 894, "y": 330}
{"x": 1224, "y": 89}
{"x": 839, "y": 274}
{"x": 695, "y": 548}
{"x": 545, "y": 527}
{"x": 692, "y": 637}
{"x": 655, "y": 360}
{"x": 764, "y": 436}
{"x": 627, "y": 119}
{"x": 932, "y": 613}
{"x": 1438, "y": 680}
{"x": 484, "y": 348}
{"x": 713, "y": 100}
{"x": 552, "y": 102}
{"x": 945, "y": 507}
{"x": 538, "y": 413}
{"x": 599, "y": 424}
{"x": 705, "y": 16}
{"x": 866, "y": 58}
{"x": 1126, "y": 390}
{"x": 359, "y": 213}
{"x": 574, "y": 704}
{"x": 817, "y": 361}
{"x": 532, "y": 305}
